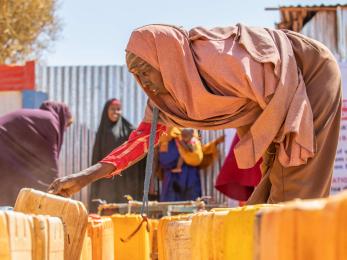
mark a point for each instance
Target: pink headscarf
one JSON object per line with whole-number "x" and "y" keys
{"x": 229, "y": 78}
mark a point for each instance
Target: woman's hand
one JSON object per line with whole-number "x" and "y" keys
{"x": 69, "y": 185}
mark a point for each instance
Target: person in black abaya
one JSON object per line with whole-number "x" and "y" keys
{"x": 113, "y": 131}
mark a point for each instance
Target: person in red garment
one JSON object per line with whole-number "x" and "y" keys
{"x": 279, "y": 89}
{"x": 236, "y": 183}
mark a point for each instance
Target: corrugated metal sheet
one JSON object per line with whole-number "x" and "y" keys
{"x": 322, "y": 27}
{"x": 342, "y": 33}
{"x": 330, "y": 28}
{"x": 325, "y": 23}
{"x": 295, "y": 17}
{"x": 209, "y": 176}
{"x": 85, "y": 90}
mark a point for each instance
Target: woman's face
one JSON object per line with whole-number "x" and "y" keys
{"x": 114, "y": 112}
{"x": 151, "y": 79}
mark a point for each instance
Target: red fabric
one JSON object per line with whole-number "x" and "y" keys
{"x": 234, "y": 182}
{"x": 17, "y": 77}
{"x": 134, "y": 149}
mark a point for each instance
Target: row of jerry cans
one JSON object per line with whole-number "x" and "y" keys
{"x": 218, "y": 234}
{"x": 27, "y": 237}
{"x": 303, "y": 229}
{"x": 97, "y": 238}
{"x": 296, "y": 230}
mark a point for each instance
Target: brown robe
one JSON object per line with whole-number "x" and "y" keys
{"x": 323, "y": 85}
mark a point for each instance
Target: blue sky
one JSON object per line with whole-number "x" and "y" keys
{"x": 96, "y": 32}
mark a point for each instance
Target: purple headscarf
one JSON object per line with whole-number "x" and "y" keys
{"x": 62, "y": 113}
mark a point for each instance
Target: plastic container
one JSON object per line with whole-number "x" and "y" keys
{"x": 72, "y": 213}
{"x": 19, "y": 235}
{"x": 138, "y": 246}
{"x": 100, "y": 230}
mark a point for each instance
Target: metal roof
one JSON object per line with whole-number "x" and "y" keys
{"x": 295, "y": 17}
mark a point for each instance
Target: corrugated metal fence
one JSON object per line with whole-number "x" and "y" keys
{"x": 85, "y": 90}
{"x": 330, "y": 28}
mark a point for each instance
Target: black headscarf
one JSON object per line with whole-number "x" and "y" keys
{"x": 110, "y": 134}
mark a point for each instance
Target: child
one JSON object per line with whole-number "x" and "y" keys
{"x": 187, "y": 142}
